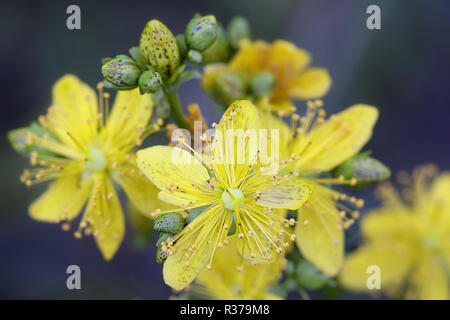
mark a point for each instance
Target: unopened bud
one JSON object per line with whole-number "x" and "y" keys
{"x": 122, "y": 73}
{"x": 238, "y": 28}
{"x": 262, "y": 84}
{"x": 150, "y": 81}
{"x": 159, "y": 48}
{"x": 201, "y": 32}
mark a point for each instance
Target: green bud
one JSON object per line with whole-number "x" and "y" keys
{"x": 161, "y": 256}
{"x": 238, "y": 28}
{"x": 194, "y": 213}
{"x": 366, "y": 170}
{"x": 262, "y": 84}
{"x": 229, "y": 87}
{"x": 121, "y": 72}
{"x": 182, "y": 46}
{"x": 171, "y": 223}
{"x": 162, "y": 237}
{"x": 194, "y": 56}
{"x": 150, "y": 81}
{"x": 201, "y": 32}
{"x": 21, "y": 139}
{"x": 219, "y": 51}
{"x": 159, "y": 48}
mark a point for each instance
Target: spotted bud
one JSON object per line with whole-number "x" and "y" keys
{"x": 170, "y": 223}
{"x": 201, "y": 32}
{"x": 262, "y": 84}
{"x": 150, "y": 81}
{"x": 161, "y": 256}
{"x": 122, "y": 73}
{"x": 238, "y": 28}
{"x": 194, "y": 56}
{"x": 162, "y": 237}
{"x": 366, "y": 170}
{"x": 158, "y": 48}
{"x": 219, "y": 51}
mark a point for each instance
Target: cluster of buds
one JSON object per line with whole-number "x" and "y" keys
{"x": 169, "y": 225}
{"x": 228, "y": 86}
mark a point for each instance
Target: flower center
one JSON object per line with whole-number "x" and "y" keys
{"x": 96, "y": 160}
{"x": 232, "y": 198}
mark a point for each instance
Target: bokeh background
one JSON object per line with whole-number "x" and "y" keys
{"x": 403, "y": 69}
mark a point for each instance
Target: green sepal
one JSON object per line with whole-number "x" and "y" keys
{"x": 308, "y": 276}
{"x": 194, "y": 213}
{"x": 18, "y": 140}
{"x": 162, "y": 237}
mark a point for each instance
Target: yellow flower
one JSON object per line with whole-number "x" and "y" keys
{"x": 293, "y": 78}
{"x": 316, "y": 146}
{"x": 235, "y": 187}
{"x": 83, "y": 150}
{"x": 408, "y": 239}
{"x": 252, "y": 283}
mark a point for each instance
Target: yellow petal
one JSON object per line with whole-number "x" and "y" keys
{"x": 142, "y": 193}
{"x": 65, "y": 197}
{"x": 394, "y": 262}
{"x": 391, "y": 225}
{"x": 269, "y": 121}
{"x": 288, "y": 195}
{"x": 129, "y": 116}
{"x": 251, "y": 57}
{"x": 177, "y": 274}
{"x": 173, "y": 170}
{"x": 286, "y": 60}
{"x": 235, "y": 141}
{"x": 429, "y": 281}
{"x": 73, "y": 111}
{"x": 319, "y": 233}
{"x": 338, "y": 139}
{"x": 310, "y": 84}
{"x": 106, "y": 213}
{"x": 437, "y": 205}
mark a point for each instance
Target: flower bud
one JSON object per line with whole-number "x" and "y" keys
{"x": 229, "y": 87}
{"x": 159, "y": 48}
{"x": 201, "y": 32}
{"x": 121, "y": 72}
{"x": 262, "y": 84}
{"x": 161, "y": 256}
{"x": 366, "y": 170}
{"x": 150, "y": 81}
{"x": 219, "y": 51}
{"x": 194, "y": 56}
{"x": 170, "y": 223}
{"x": 238, "y": 28}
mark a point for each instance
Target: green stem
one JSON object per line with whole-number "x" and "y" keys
{"x": 175, "y": 107}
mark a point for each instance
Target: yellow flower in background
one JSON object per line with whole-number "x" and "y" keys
{"x": 316, "y": 146}
{"x": 224, "y": 283}
{"x": 288, "y": 63}
{"x": 408, "y": 239}
{"x": 82, "y": 148}
{"x": 237, "y": 191}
